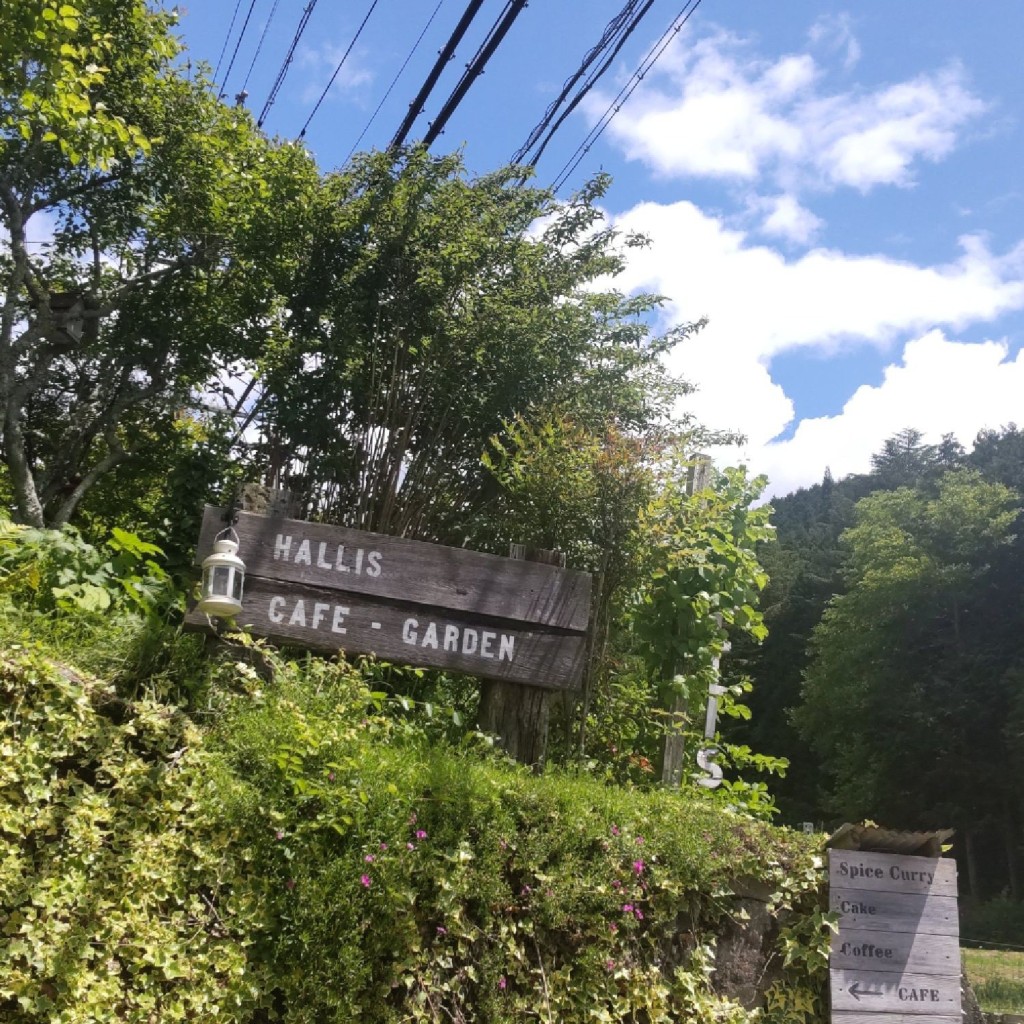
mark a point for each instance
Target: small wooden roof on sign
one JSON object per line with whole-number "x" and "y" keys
{"x": 872, "y": 839}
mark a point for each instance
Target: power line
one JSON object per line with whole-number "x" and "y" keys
{"x": 323, "y": 95}
{"x": 625, "y": 92}
{"x": 238, "y": 43}
{"x": 259, "y": 45}
{"x": 394, "y": 81}
{"x": 476, "y": 68}
{"x": 445, "y": 55}
{"x": 276, "y": 87}
{"x": 227, "y": 39}
{"x": 592, "y": 80}
{"x": 612, "y": 29}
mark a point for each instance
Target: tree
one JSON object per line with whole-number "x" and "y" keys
{"x": 911, "y": 679}
{"x": 148, "y": 227}
{"x": 433, "y": 310}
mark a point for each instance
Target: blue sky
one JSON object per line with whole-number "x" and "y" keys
{"x": 837, "y": 186}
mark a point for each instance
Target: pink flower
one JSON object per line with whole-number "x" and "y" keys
{"x": 613, "y": 928}
{"x": 383, "y": 846}
{"x": 330, "y": 776}
{"x": 616, "y": 884}
{"x": 615, "y": 830}
{"x": 609, "y": 965}
{"x": 410, "y": 846}
{"x": 420, "y": 834}
{"x": 279, "y": 836}
{"x": 369, "y": 858}
{"x": 638, "y": 866}
{"x": 502, "y": 983}
{"x": 639, "y": 914}
{"x": 441, "y": 930}
{"x": 627, "y": 908}
{"x": 365, "y": 881}
{"x": 639, "y": 840}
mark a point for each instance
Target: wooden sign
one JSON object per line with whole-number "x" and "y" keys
{"x": 896, "y": 956}
{"x": 328, "y": 588}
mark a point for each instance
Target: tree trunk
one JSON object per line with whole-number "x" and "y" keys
{"x": 519, "y": 715}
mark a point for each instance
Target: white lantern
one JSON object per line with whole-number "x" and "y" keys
{"x": 223, "y": 576}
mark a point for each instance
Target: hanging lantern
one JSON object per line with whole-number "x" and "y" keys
{"x": 223, "y": 576}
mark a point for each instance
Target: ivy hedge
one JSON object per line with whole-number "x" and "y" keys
{"x": 286, "y": 850}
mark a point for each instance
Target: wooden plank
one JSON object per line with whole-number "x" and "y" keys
{"x": 874, "y": 992}
{"x": 895, "y": 952}
{"x": 889, "y": 872}
{"x": 892, "y": 911}
{"x": 862, "y": 1017}
{"x": 358, "y": 562}
{"x": 396, "y": 631}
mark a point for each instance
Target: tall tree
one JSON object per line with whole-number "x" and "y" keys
{"x": 146, "y": 228}
{"x": 908, "y": 692}
{"x": 434, "y": 309}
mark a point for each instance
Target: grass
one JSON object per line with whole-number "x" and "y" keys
{"x": 997, "y": 977}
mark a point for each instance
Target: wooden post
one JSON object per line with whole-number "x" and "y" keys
{"x": 519, "y": 715}
{"x": 675, "y": 742}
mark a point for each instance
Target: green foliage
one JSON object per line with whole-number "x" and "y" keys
{"x": 904, "y": 696}
{"x": 999, "y": 920}
{"x": 300, "y": 854}
{"x": 56, "y": 570}
{"x": 172, "y": 225}
{"x": 111, "y": 883}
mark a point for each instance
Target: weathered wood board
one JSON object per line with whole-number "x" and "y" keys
{"x": 879, "y": 991}
{"x": 896, "y": 957}
{"x": 896, "y": 912}
{"x": 400, "y": 631}
{"x": 394, "y": 568}
{"x": 863, "y": 1017}
{"x": 885, "y": 872}
{"x": 896, "y": 952}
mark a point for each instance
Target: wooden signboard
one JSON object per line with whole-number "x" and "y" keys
{"x": 896, "y": 956}
{"x": 329, "y": 588}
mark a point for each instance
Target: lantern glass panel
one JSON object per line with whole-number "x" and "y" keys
{"x": 236, "y": 585}
{"x": 220, "y": 581}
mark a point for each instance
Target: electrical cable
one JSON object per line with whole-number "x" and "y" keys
{"x": 611, "y": 30}
{"x": 259, "y": 45}
{"x": 344, "y": 57}
{"x": 625, "y": 92}
{"x": 444, "y": 55}
{"x": 238, "y": 43}
{"x": 591, "y": 81}
{"x": 227, "y": 39}
{"x": 476, "y": 68}
{"x": 394, "y": 82}
{"x": 276, "y": 87}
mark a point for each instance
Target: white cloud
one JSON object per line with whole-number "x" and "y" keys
{"x": 760, "y": 304}
{"x": 322, "y": 61}
{"x": 835, "y": 33}
{"x": 784, "y": 217}
{"x": 938, "y": 387}
{"x": 712, "y": 109}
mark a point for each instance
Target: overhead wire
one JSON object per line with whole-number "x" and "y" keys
{"x": 394, "y": 81}
{"x": 652, "y": 57}
{"x": 238, "y": 43}
{"x": 591, "y": 81}
{"x": 475, "y": 68}
{"x": 337, "y": 70}
{"x": 307, "y": 12}
{"x": 444, "y": 56}
{"x": 259, "y": 45}
{"x": 227, "y": 39}
{"x": 611, "y": 30}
